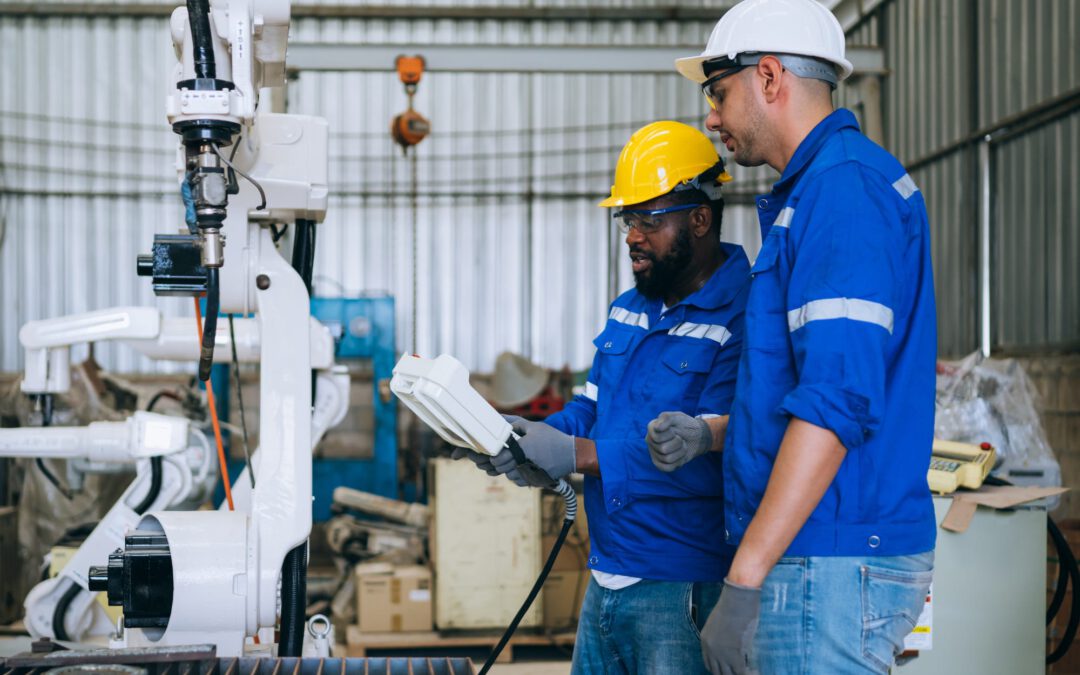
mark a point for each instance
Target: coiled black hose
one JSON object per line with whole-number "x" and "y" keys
{"x": 293, "y": 601}
{"x": 209, "y": 335}
{"x": 155, "y": 487}
{"x": 60, "y": 611}
{"x": 303, "y": 261}
{"x": 1068, "y": 572}
{"x": 303, "y": 254}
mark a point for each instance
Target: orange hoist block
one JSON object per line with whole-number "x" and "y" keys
{"x": 410, "y": 127}
{"x": 410, "y": 69}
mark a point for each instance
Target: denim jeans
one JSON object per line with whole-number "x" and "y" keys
{"x": 650, "y": 628}
{"x": 839, "y": 616}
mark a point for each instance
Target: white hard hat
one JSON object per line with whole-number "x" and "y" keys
{"x": 799, "y": 27}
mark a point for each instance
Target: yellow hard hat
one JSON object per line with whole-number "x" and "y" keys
{"x": 658, "y": 158}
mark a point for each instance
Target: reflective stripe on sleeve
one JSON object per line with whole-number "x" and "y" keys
{"x": 905, "y": 186}
{"x": 784, "y": 219}
{"x": 841, "y": 308}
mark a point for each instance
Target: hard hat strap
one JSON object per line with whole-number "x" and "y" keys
{"x": 801, "y": 66}
{"x": 706, "y": 181}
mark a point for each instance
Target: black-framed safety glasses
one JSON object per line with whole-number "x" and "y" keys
{"x": 707, "y": 85}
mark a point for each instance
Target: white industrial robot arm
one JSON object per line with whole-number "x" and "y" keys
{"x": 143, "y": 435}
{"x": 62, "y": 607}
{"x": 243, "y": 169}
{"x": 48, "y": 342}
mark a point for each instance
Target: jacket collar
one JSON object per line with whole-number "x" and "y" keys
{"x": 838, "y": 119}
{"x": 725, "y": 283}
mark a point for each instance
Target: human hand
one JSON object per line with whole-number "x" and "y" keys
{"x": 549, "y": 449}
{"x": 675, "y": 438}
{"x": 482, "y": 461}
{"x": 728, "y": 635}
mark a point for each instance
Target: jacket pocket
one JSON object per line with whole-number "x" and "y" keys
{"x": 613, "y": 341}
{"x": 689, "y": 359}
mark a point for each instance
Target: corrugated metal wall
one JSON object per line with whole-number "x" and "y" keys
{"x": 527, "y": 270}
{"x": 1037, "y": 235}
{"x": 86, "y": 167}
{"x": 512, "y": 251}
{"x": 959, "y": 66}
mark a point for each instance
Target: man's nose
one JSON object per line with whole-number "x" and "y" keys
{"x": 634, "y": 237}
{"x": 712, "y": 121}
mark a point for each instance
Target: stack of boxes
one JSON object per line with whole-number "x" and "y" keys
{"x": 565, "y": 586}
{"x": 393, "y": 599}
{"x": 488, "y": 541}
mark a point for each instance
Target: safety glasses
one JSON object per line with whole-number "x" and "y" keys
{"x": 707, "y": 85}
{"x": 646, "y": 221}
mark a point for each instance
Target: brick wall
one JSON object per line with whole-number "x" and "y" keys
{"x": 1058, "y": 380}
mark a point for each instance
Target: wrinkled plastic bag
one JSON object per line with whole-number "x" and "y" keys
{"x": 994, "y": 401}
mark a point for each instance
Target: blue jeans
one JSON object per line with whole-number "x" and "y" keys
{"x": 839, "y": 616}
{"x": 651, "y": 628}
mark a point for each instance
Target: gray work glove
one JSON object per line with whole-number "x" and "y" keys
{"x": 675, "y": 438}
{"x": 544, "y": 445}
{"x": 728, "y": 635}
{"x": 482, "y": 461}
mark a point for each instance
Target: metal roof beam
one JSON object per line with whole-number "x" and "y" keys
{"x": 518, "y": 58}
{"x": 389, "y": 12}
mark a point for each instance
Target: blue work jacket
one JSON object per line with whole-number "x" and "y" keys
{"x": 644, "y": 522}
{"x": 841, "y": 332}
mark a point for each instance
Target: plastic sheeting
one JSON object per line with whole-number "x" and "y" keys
{"x": 994, "y": 401}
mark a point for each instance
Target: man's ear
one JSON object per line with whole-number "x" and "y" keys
{"x": 701, "y": 221}
{"x": 770, "y": 71}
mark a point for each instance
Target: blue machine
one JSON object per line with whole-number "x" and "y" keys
{"x": 363, "y": 328}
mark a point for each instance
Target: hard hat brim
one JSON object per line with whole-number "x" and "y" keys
{"x": 691, "y": 67}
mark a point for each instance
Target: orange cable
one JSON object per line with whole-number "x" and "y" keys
{"x": 214, "y": 420}
{"x": 217, "y": 430}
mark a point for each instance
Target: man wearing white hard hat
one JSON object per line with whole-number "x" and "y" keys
{"x": 828, "y": 442}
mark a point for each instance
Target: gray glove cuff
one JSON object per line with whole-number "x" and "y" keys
{"x": 743, "y": 590}
{"x": 706, "y": 439}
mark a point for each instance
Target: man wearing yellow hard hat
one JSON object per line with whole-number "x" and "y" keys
{"x": 671, "y": 343}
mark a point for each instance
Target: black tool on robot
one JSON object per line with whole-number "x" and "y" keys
{"x": 536, "y": 476}
{"x": 189, "y": 264}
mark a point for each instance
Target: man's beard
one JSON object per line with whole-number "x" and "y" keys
{"x": 658, "y": 280}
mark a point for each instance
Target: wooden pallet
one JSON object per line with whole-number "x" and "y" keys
{"x": 363, "y": 644}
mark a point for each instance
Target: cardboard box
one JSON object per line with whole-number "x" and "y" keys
{"x": 575, "y": 552}
{"x": 485, "y": 547}
{"x": 554, "y": 508}
{"x": 393, "y": 599}
{"x": 573, "y": 557}
{"x": 564, "y": 592}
